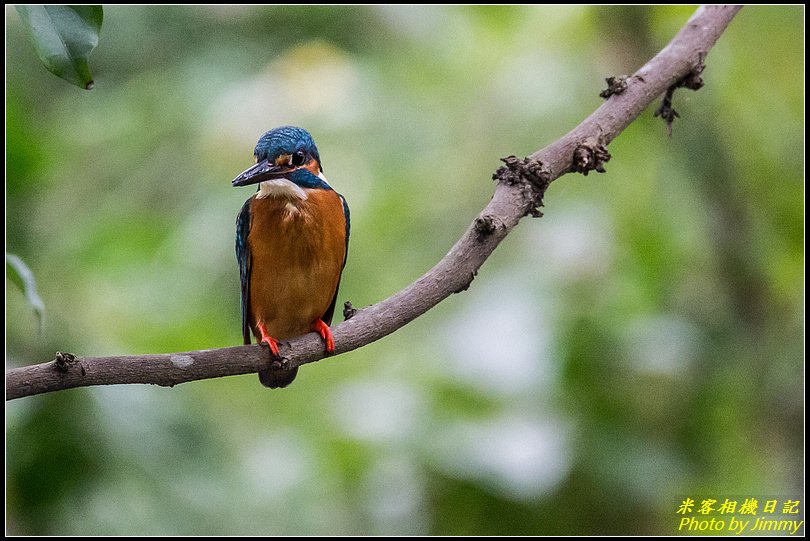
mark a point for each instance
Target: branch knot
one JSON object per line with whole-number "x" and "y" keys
{"x": 532, "y": 174}
{"x": 616, "y": 85}
{"x": 692, "y": 81}
{"x": 348, "y": 311}
{"x": 590, "y": 155}
{"x": 484, "y": 225}
{"x": 518, "y": 170}
{"x": 64, "y": 361}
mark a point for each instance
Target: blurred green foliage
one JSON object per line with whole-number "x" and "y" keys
{"x": 18, "y": 273}
{"x": 640, "y": 343}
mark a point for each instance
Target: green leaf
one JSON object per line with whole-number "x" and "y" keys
{"x": 21, "y": 275}
{"x": 64, "y": 37}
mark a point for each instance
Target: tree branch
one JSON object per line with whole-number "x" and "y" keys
{"x": 519, "y": 192}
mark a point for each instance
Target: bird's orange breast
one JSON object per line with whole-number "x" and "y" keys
{"x": 297, "y": 249}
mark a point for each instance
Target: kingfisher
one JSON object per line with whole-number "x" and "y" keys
{"x": 292, "y": 238}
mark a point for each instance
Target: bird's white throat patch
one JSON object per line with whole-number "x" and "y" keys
{"x": 281, "y": 187}
{"x": 287, "y": 189}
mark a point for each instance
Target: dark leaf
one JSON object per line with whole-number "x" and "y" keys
{"x": 64, "y": 37}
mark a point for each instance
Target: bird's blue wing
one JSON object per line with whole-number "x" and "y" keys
{"x": 330, "y": 312}
{"x": 348, "y": 226}
{"x": 243, "y": 257}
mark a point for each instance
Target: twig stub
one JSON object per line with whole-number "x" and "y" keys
{"x": 63, "y": 361}
{"x": 616, "y": 85}
{"x": 532, "y": 174}
{"x": 348, "y": 311}
{"x": 517, "y": 170}
{"x": 692, "y": 81}
{"x": 590, "y": 155}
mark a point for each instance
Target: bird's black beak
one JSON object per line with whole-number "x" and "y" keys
{"x": 264, "y": 170}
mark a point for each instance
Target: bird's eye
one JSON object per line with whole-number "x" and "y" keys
{"x": 297, "y": 159}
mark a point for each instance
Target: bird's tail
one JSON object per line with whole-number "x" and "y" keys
{"x": 276, "y": 379}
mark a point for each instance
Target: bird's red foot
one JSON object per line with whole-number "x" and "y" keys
{"x": 271, "y": 342}
{"x": 323, "y": 329}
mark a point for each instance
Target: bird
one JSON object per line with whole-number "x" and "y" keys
{"x": 292, "y": 238}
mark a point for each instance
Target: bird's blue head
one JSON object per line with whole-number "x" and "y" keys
{"x": 286, "y": 152}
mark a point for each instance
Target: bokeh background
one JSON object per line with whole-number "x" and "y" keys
{"x": 640, "y": 343}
